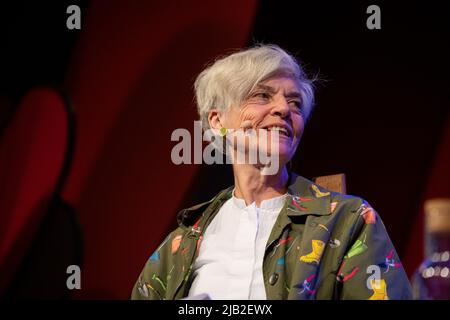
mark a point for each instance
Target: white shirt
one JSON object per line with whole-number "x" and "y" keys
{"x": 229, "y": 264}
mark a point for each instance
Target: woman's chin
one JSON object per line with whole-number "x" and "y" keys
{"x": 282, "y": 151}
{"x": 279, "y": 158}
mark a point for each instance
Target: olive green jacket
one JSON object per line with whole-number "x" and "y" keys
{"x": 324, "y": 245}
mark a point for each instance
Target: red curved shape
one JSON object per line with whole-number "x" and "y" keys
{"x": 32, "y": 153}
{"x": 131, "y": 83}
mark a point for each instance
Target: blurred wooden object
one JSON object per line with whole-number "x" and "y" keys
{"x": 334, "y": 182}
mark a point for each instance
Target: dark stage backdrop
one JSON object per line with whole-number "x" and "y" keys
{"x": 381, "y": 117}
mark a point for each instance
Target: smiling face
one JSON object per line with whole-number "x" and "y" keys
{"x": 273, "y": 105}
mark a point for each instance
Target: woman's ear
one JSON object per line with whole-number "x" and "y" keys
{"x": 214, "y": 116}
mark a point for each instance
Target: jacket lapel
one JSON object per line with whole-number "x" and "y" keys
{"x": 304, "y": 198}
{"x": 308, "y": 200}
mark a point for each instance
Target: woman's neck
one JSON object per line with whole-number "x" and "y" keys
{"x": 253, "y": 186}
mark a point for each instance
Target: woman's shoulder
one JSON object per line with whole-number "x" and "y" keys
{"x": 350, "y": 202}
{"x": 310, "y": 190}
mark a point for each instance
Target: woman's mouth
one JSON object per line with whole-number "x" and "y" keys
{"x": 281, "y": 130}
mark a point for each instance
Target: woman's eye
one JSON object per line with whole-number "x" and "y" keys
{"x": 296, "y": 104}
{"x": 262, "y": 95}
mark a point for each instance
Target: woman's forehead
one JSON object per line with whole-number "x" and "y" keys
{"x": 274, "y": 84}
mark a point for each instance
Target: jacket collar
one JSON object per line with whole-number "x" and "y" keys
{"x": 188, "y": 217}
{"x": 304, "y": 198}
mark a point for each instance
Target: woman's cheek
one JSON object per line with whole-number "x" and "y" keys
{"x": 299, "y": 126}
{"x": 253, "y": 114}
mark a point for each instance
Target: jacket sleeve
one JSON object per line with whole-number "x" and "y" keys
{"x": 151, "y": 283}
{"x": 371, "y": 268}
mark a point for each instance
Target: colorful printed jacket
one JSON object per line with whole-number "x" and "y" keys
{"x": 324, "y": 245}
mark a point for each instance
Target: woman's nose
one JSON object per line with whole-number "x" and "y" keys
{"x": 280, "y": 108}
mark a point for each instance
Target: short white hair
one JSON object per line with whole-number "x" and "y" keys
{"x": 229, "y": 80}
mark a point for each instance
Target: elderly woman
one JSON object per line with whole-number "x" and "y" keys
{"x": 273, "y": 235}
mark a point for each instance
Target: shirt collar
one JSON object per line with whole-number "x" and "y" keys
{"x": 275, "y": 203}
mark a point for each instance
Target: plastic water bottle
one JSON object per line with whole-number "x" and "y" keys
{"x": 432, "y": 279}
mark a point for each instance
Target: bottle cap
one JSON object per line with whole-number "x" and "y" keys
{"x": 437, "y": 215}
